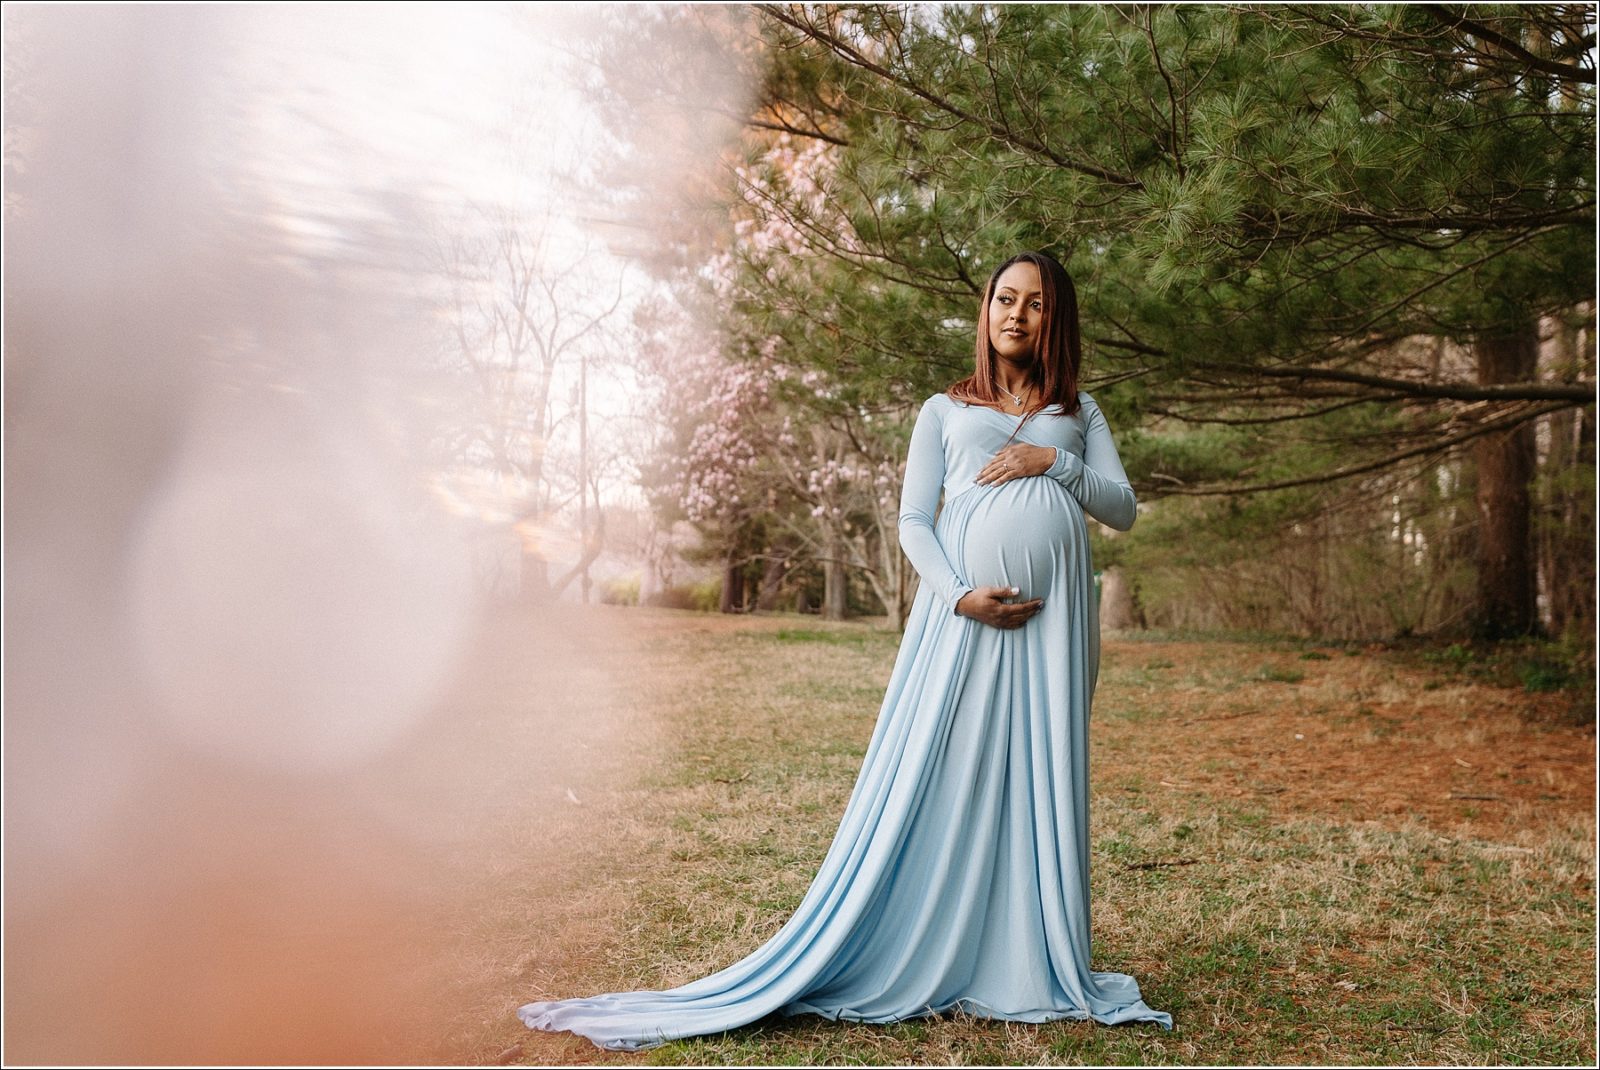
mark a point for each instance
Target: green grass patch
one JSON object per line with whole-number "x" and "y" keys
{"x": 854, "y": 636}
{"x": 1278, "y": 674}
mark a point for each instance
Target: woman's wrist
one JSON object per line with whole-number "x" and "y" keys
{"x": 1060, "y": 464}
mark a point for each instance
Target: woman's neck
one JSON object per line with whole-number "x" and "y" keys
{"x": 1014, "y": 380}
{"x": 1016, "y": 385}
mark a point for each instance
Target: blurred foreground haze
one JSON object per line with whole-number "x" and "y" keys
{"x": 239, "y": 573}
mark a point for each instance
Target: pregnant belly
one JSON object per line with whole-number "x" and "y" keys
{"x": 1024, "y": 533}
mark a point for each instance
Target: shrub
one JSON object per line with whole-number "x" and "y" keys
{"x": 623, "y": 591}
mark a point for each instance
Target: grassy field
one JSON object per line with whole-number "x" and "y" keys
{"x": 1306, "y": 854}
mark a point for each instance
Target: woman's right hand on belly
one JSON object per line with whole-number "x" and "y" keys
{"x": 985, "y": 605}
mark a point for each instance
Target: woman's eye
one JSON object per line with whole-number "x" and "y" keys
{"x": 1003, "y": 299}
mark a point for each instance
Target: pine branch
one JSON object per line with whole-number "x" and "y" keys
{"x": 844, "y": 50}
{"x": 1581, "y": 392}
{"x": 1438, "y": 447}
{"x": 1494, "y": 37}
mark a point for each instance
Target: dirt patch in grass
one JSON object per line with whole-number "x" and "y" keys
{"x": 1349, "y": 736}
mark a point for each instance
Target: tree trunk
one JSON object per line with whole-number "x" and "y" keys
{"x": 534, "y": 587}
{"x": 1552, "y": 511}
{"x": 1506, "y": 589}
{"x": 1565, "y": 509}
{"x": 733, "y": 587}
{"x": 1116, "y": 601}
{"x": 594, "y": 544}
{"x": 1578, "y": 579}
{"x": 651, "y": 581}
{"x": 834, "y": 577}
{"x": 773, "y": 571}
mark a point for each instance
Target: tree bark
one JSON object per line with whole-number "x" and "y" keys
{"x": 733, "y": 587}
{"x": 1566, "y": 507}
{"x": 834, "y": 580}
{"x": 775, "y": 568}
{"x": 1506, "y": 579}
{"x": 1116, "y": 601}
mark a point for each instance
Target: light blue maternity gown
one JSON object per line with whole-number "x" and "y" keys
{"x": 959, "y": 875}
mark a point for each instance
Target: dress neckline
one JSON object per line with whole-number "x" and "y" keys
{"x": 1056, "y": 405}
{"x": 1055, "y": 408}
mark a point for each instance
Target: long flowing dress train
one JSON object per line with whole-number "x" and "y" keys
{"x": 959, "y": 875}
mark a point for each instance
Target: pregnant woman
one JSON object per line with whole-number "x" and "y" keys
{"x": 959, "y": 876}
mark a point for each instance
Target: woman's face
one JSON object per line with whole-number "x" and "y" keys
{"x": 1016, "y": 312}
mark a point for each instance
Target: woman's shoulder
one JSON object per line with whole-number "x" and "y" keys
{"x": 1085, "y": 402}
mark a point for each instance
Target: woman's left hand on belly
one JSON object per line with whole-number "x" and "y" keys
{"x": 1015, "y": 462}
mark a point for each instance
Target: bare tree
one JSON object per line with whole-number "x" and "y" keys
{"x": 522, "y": 307}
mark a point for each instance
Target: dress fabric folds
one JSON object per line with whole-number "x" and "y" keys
{"x": 959, "y": 875}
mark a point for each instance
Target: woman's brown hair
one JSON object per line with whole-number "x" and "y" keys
{"x": 1059, "y": 352}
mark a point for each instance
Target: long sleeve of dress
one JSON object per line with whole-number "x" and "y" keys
{"x": 919, "y": 498}
{"x": 1097, "y": 479}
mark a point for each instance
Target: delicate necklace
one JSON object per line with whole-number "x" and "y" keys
{"x": 1017, "y": 398}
